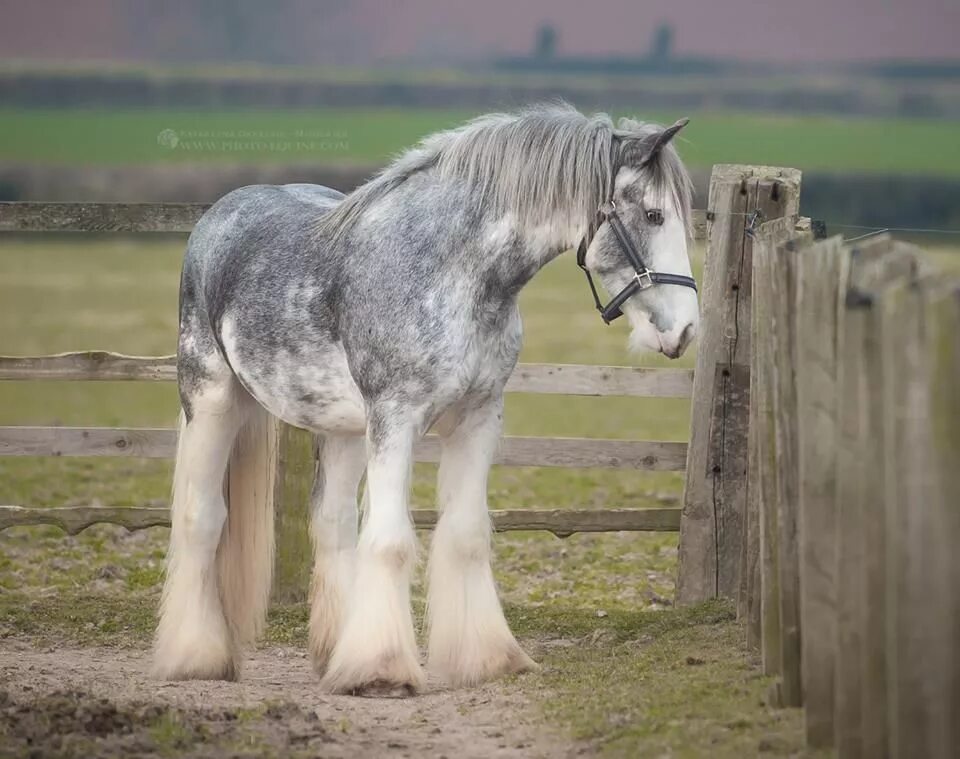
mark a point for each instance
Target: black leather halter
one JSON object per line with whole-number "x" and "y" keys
{"x": 643, "y": 277}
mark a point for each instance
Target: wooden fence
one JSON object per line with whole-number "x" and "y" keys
{"x": 851, "y": 571}
{"x": 710, "y": 526}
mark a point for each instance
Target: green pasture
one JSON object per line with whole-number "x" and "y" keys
{"x": 365, "y": 136}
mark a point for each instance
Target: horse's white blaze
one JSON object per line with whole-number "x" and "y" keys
{"x": 334, "y": 530}
{"x": 663, "y": 318}
{"x": 469, "y": 637}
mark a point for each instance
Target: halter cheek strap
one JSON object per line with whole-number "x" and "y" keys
{"x": 643, "y": 277}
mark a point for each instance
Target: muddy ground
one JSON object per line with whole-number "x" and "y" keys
{"x": 101, "y": 702}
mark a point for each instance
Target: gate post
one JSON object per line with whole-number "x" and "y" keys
{"x": 715, "y": 496}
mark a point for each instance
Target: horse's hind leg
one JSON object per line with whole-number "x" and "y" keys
{"x": 194, "y": 640}
{"x": 469, "y": 640}
{"x": 334, "y": 528}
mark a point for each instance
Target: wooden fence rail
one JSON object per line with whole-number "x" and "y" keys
{"x": 855, "y": 465}
{"x": 23, "y": 216}
{"x": 552, "y": 379}
{"x": 160, "y": 443}
{"x": 561, "y": 522}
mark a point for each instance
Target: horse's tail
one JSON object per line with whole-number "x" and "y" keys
{"x": 245, "y": 553}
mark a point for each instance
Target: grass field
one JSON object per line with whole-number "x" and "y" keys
{"x": 372, "y": 135}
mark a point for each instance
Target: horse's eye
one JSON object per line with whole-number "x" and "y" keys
{"x": 655, "y": 216}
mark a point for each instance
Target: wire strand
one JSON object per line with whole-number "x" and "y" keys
{"x": 834, "y": 225}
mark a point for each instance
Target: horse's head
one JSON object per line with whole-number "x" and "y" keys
{"x": 651, "y": 206}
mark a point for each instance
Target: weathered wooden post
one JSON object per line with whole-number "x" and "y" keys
{"x": 783, "y": 292}
{"x": 892, "y": 268}
{"x": 762, "y": 453}
{"x": 941, "y": 320}
{"x": 714, "y": 507}
{"x": 919, "y": 326}
{"x": 822, "y": 275}
{"x": 941, "y": 317}
{"x": 861, "y": 725}
{"x": 852, "y": 384}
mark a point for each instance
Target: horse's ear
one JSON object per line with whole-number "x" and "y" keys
{"x": 662, "y": 139}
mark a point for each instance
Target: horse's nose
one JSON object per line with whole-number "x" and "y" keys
{"x": 673, "y": 344}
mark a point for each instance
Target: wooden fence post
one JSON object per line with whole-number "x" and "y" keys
{"x": 714, "y": 507}
{"x": 783, "y": 292}
{"x": 822, "y": 275}
{"x": 941, "y": 318}
{"x": 883, "y": 271}
{"x": 859, "y": 719}
{"x": 919, "y": 326}
{"x": 762, "y": 501}
{"x": 851, "y": 383}
{"x": 296, "y": 464}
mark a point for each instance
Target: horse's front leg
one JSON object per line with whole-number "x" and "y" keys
{"x": 469, "y": 638}
{"x": 376, "y": 653}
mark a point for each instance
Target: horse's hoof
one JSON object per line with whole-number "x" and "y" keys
{"x": 386, "y": 677}
{"x": 384, "y": 689}
{"x": 226, "y": 670}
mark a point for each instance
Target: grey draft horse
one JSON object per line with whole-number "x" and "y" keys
{"x": 370, "y": 319}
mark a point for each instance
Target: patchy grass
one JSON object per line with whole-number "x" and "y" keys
{"x": 71, "y": 723}
{"x": 680, "y": 685}
{"x": 675, "y": 682}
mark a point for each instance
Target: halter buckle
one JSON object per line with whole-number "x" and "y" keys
{"x": 644, "y": 279}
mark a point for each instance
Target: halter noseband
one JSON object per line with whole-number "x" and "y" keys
{"x": 643, "y": 277}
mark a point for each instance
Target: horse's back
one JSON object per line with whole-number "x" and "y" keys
{"x": 251, "y": 235}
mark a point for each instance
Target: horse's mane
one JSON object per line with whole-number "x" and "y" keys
{"x": 529, "y": 163}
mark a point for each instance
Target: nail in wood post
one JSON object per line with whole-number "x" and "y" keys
{"x": 712, "y": 529}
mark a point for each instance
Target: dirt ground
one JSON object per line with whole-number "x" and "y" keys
{"x": 99, "y": 702}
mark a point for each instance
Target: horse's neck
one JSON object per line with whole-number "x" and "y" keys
{"x": 525, "y": 249}
{"x": 549, "y": 239}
